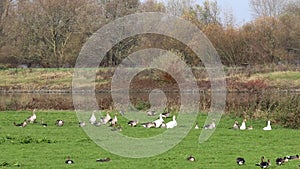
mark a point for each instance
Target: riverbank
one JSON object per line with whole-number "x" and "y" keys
{"x": 60, "y": 80}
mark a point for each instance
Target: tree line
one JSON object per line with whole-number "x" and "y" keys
{"x": 50, "y": 33}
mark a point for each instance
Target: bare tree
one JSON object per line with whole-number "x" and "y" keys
{"x": 4, "y": 8}
{"x": 267, "y": 8}
{"x": 209, "y": 12}
{"x": 152, "y": 6}
{"x": 178, "y": 7}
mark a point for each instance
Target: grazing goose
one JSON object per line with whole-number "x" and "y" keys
{"x": 103, "y": 160}
{"x": 43, "y": 123}
{"x": 250, "y": 127}
{"x": 211, "y": 126}
{"x": 280, "y": 161}
{"x": 151, "y": 113}
{"x": 166, "y": 114}
{"x": 292, "y": 157}
{"x": 69, "y": 161}
{"x": 59, "y": 123}
{"x": 93, "y": 118}
{"x": 23, "y": 124}
{"x": 159, "y": 121}
{"x": 114, "y": 121}
{"x": 263, "y": 164}
{"x": 243, "y": 126}
{"x": 149, "y": 125}
{"x": 32, "y": 118}
{"x": 133, "y": 123}
{"x": 171, "y": 124}
{"x": 191, "y": 158}
{"x": 236, "y": 125}
{"x": 106, "y": 119}
{"x": 82, "y": 124}
{"x": 240, "y": 161}
{"x": 196, "y": 126}
{"x": 268, "y": 127}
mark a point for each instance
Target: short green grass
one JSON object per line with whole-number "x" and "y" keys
{"x": 37, "y": 147}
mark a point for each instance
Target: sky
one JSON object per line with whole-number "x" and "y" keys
{"x": 240, "y": 9}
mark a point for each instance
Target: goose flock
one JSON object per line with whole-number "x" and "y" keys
{"x": 236, "y": 126}
{"x": 160, "y": 122}
{"x": 265, "y": 164}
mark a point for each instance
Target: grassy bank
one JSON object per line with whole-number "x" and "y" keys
{"x": 61, "y": 79}
{"x": 47, "y": 147}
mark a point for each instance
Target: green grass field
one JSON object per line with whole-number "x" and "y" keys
{"x": 47, "y": 147}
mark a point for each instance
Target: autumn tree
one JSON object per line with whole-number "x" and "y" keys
{"x": 51, "y": 32}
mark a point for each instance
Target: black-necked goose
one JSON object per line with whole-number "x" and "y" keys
{"x": 149, "y": 125}
{"x": 264, "y": 164}
{"x": 69, "y": 161}
{"x": 133, "y": 123}
{"x": 191, "y": 158}
{"x": 82, "y": 124}
{"x": 23, "y": 124}
{"x": 32, "y": 118}
{"x": 240, "y": 161}
{"x": 280, "y": 161}
{"x": 293, "y": 157}
{"x": 268, "y": 127}
{"x": 106, "y": 119}
{"x": 166, "y": 114}
{"x": 59, "y": 123}
{"x": 43, "y": 123}
{"x": 212, "y": 125}
{"x": 93, "y": 119}
{"x": 114, "y": 121}
{"x": 243, "y": 126}
{"x": 103, "y": 160}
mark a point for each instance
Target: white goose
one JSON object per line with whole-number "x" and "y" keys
{"x": 159, "y": 121}
{"x": 172, "y": 124}
{"x": 268, "y": 127}
{"x": 114, "y": 121}
{"x": 93, "y": 118}
{"x": 32, "y": 118}
{"x": 106, "y": 119}
{"x": 243, "y": 126}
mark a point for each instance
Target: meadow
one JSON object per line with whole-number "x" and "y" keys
{"x": 35, "y": 146}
